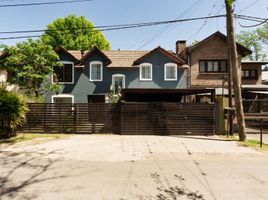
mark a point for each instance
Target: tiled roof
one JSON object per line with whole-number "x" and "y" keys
{"x": 119, "y": 58}
{"x": 77, "y": 54}
{"x": 123, "y": 58}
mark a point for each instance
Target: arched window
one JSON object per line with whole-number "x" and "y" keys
{"x": 118, "y": 82}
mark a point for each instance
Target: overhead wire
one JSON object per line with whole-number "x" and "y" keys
{"x": 205, "y": 22}
{"x": 43, "y": 3}
{"x": 248, "y": 6}
{"x": 168, "y": 27}
{"x": 130, "y": 26}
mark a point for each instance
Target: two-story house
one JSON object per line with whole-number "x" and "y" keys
{"x": 90, "y": 76}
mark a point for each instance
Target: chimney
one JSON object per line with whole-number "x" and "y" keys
{"x": 180, "y": 45}
{"x": 82, "y": 53}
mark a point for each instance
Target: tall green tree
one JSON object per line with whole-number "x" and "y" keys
{"x": 74, "y": 33}
{"x": 31, "y": 64}
{"x": 253, "y": 41}
{"x": 263, "y": 33}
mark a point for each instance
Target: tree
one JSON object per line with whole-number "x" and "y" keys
{"x": 74, "y": 33}
{"x": 12, "y": 112}
{"x": 252, "y": 40}
{"x": 32, "y": 64}
{"x": 263, "y": 33}
{"x": 233, "y": 64}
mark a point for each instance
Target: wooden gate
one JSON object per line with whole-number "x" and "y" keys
{"x": 167, "y": 119}
{"x": 123, "y": 118}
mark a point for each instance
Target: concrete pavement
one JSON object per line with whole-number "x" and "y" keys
{"x": 132, "y": 167}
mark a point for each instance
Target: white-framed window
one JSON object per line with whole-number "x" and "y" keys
{"x": 170, "y": 72}
{"x": 96, "y": 71}
{"x": 62, "y": 98}
{"x": 64, "y": 74}
{"x": 118, "y": 82}
{"x": 146, "y": 72}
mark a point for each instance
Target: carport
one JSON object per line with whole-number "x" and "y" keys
{"x": 166, "y": 112}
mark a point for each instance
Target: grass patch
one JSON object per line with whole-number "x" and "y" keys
{"x": 31, "y": 136}
{"x": 255, "y": 144}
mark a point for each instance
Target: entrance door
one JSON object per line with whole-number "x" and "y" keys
{"x": 118, "y": 82}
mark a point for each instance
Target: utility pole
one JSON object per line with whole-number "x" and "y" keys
{"x": 233, "y": 61}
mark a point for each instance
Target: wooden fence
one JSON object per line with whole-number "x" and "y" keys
{"x": 124, "y": 118}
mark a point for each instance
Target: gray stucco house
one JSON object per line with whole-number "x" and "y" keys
{"x": 89, "y": 76}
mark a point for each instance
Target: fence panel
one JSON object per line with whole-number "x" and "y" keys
{"x": 167, "y": 118}
{"x": 123, "y": 118}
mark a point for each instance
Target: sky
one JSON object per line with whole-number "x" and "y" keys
{"x": 107, "y": 12}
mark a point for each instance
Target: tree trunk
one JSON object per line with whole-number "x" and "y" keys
{"x": 232, "y": 50}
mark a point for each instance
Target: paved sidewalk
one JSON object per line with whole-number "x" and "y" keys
{"x": 132, "y": 167}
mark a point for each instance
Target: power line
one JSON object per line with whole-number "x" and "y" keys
{"x": 248, "y": 6}
{"x": 106, "y": 27}
{"x": 43, "y": 3}
{"x": 139, "y": 25}
{"x": 115, "y": 26}
{"x": 205, "y": 22}
{"x": 167, "y": 27}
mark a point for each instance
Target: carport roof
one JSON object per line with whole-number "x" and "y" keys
{"x": 167, "y": 92}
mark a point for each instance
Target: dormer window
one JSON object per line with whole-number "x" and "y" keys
{"x": 65, "y": 73}
{"x": 146, "y": 72}
{"x": 96, "y": 71}
{"x": 170, "y": 73}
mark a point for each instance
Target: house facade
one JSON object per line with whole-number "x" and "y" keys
{"x": 96, "y": 75}
{"x": 208, "y": 65}
{"x": 91, "y": 76}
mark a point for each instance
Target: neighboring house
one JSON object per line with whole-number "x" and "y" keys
{"x": 90, "y": 76}
{"x": 4, "y": 76}
{"x": 208, "y": 60}
{"x": 208, "y": 65}
{"x": 265, "y": 77}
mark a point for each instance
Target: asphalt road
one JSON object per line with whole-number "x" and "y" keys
{"x": 132, "y": 167}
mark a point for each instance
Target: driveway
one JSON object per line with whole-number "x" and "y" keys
{"x": 132, "y": 167}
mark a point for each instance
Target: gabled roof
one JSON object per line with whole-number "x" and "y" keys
{"x": 168, "y": 54}
{"x": 123, "y": 58}
{"x": 120, "y": 58}
{"x": 95, "y": 50}
{"x": 62, "y": 49}
{"x": 242, "y": 50}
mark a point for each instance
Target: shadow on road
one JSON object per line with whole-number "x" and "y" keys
{"x": 34, "y": 165}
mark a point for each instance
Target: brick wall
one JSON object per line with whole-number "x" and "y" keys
{"x": 213, "y": 49}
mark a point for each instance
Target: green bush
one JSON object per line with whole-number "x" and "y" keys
{"x": 12, "y": 112}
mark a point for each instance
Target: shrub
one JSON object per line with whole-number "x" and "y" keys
{"x": 12, "y": 112}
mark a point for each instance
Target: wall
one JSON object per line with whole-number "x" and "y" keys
{"x": 214, "y": 49}
{"x": 3, "y": 79}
